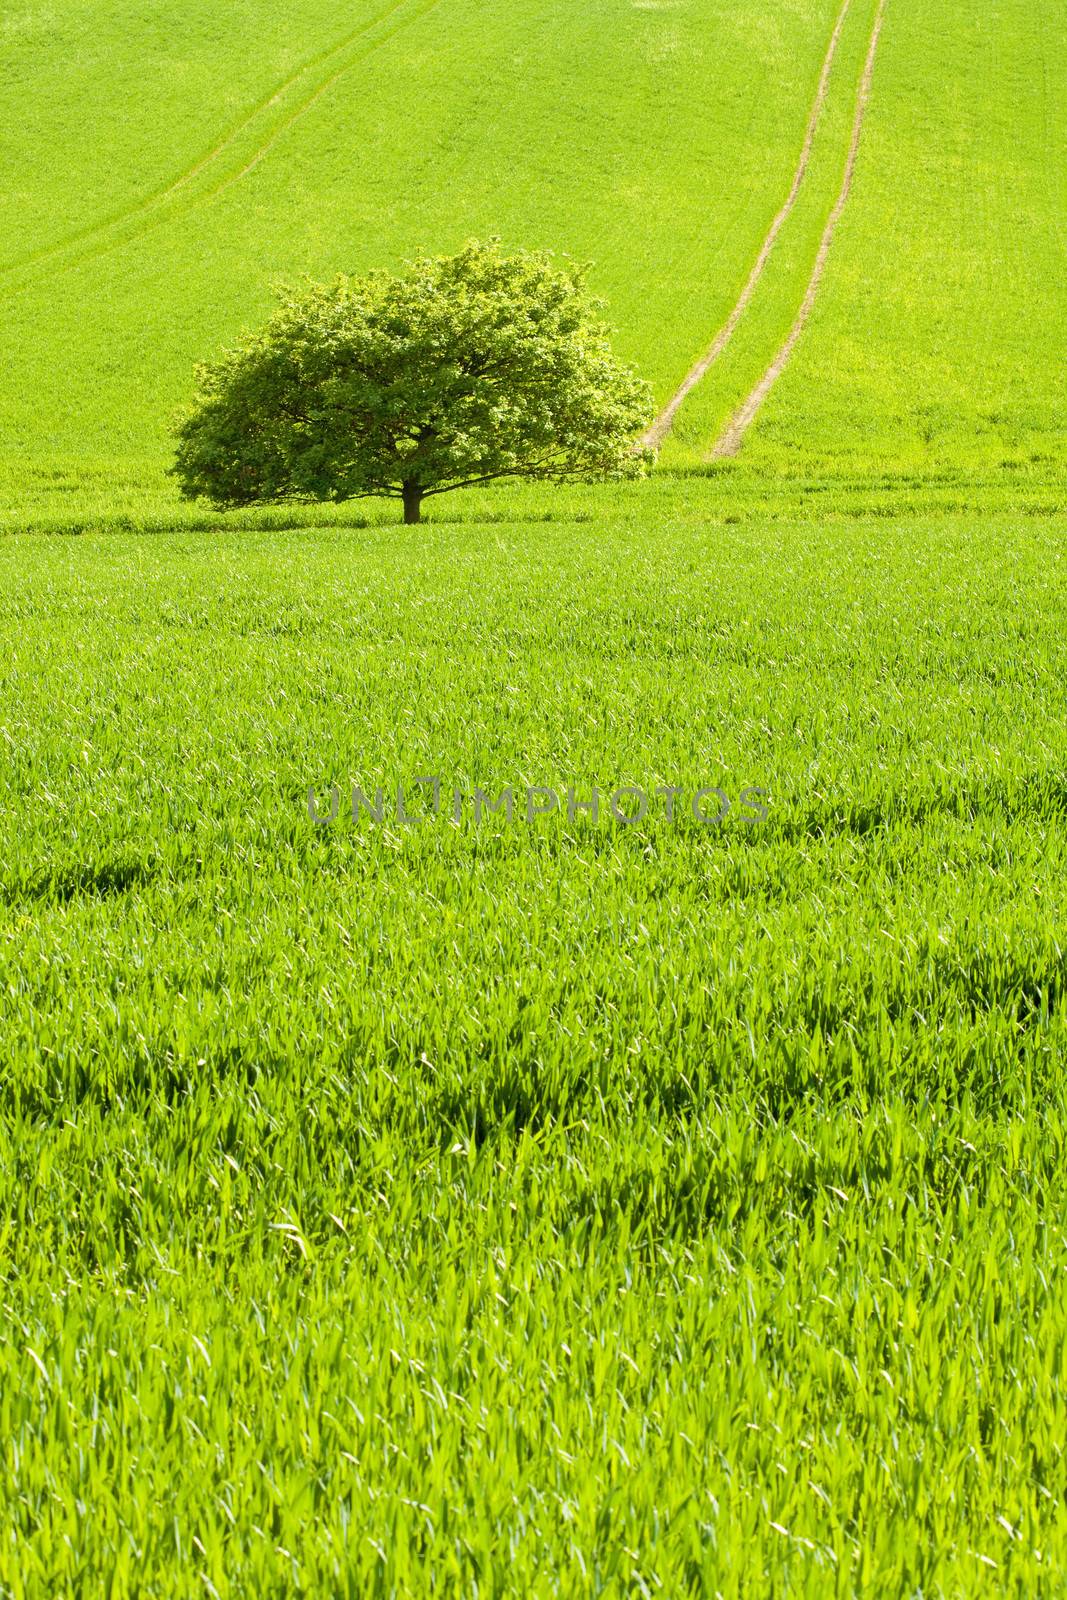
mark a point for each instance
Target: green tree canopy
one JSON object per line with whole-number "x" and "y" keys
{"x": 461, "y": 370}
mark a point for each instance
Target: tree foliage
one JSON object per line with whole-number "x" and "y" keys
{"x": 463, "y": 369}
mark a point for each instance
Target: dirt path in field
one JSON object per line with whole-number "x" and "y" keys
{"x": 663, "y": 423}
{"x": 729, "y": 442}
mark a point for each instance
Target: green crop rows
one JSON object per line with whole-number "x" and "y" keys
{"x": 504, "y": 1207}
{"x": 545, "y": 1205}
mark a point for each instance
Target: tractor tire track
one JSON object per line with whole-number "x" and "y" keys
{"x": 306, "y": 105}
{"x": 729, "y": 442}
{"x": 664, "y": 422}
{"x": 156, "y": 202}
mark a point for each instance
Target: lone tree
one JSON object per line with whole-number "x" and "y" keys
{"x": 463, "y": 369}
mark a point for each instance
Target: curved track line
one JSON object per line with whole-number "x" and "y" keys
{"x": 328, "y": 83}
{"x": 306, "y": 105}
{"x": 161, "y": 196}
{"x": 663, "y": 423}
{"x": 729, "y": 442}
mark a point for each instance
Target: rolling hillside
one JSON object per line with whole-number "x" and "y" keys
{"x": 174, "y": 165}
{"x": 937, "y": 340}
{"x": 415, "y": 125}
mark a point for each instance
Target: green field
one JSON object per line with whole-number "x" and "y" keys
{"x": 520, "y": 1207}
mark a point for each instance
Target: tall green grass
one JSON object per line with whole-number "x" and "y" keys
{"x": 553, "y": 1207}
{"x": 534, "y": 1208}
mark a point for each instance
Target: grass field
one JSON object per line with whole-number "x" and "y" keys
{"x": 937, "y": 342}
{"x": 533, "y": 1207}
{"x": 416, "y": 143}
{"x": 500, "y": 1201}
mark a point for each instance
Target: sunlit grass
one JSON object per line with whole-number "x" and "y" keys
{"x": 552, "y": 1206}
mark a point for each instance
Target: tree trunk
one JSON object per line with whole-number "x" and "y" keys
{"x": 412, "y": 501}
